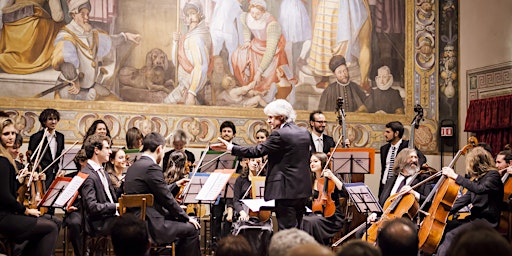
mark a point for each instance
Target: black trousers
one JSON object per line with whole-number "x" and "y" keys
{"x": 289, "y": 212}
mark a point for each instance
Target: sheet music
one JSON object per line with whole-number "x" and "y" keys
{"x": 363, "y": 197}
{"x": 71, "y": 188}
{"x": 256, "y": 204}
{"x": 214, "y": 185}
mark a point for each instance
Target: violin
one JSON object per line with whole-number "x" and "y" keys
{"x": 324, "y": 203}
{"x": 446, "y": 190}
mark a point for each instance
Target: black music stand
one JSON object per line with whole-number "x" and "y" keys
{"x": 226, "y": 161}
{"x": 363, "y": 198}
{"x": 353, "y": 161}
{"x": 66, "y": 161}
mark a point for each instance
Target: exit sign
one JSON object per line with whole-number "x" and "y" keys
{"x": 446, "y": 131}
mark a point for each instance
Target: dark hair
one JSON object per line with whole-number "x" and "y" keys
{"x": 398, "y": 237}
{"x": 175, "y": 167}
{"x": 79, "y": 157}
{"x": 94, "y": 141}
{"x": 152, "y": 141}
{"x": 358, "y": 248}
{"x": 264, "y": 131}
{"x": 133, "y": 136}
{"x": 506, "y": 153}
{"x": 47, "y": 113}
{"x": 312, "y": 115}
{"x": 228, "y": 124}
{"x": 109, "y": 166}
{"x": 18, "y": 141}
{"x": 479, "y": 240}
{"x": 92, "y": 128}
{"x": 396, "y": 126}
{"x": 233, "y": 246}
{"x": 486, "y": 146}
{"x": 129, "y": 236}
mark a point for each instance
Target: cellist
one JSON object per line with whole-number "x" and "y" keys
{"x": 484, "y": 192}
{"x": 321, "y": 225}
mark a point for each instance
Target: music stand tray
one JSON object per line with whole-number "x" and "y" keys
{"x": 214, "y": 185}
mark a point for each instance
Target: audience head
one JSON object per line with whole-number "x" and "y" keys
{"x": 80, "y": 159}
{"x": 394, "y": 131}
{"x": 478, "y": 162}
{"x": 134, "y": 138}
{"x": 398, "y": 237}
{"x": 180, "y": 139}
{"x": 129, "y": 236}
{"x": 282, "y": 110}
{"x": 310, "y": 249}
{"x": 480, "y": 240}
{"x": 227, "y": 130}
{"x": 234, "y": 246}
{"x": 262, "y": 135}
{"x": 285, "y": 240}
{"x": 154, "y": 143}
{"x": 97, "y": 147}
{"x": 358, "y": 247}
{"x": 49, "y": 118}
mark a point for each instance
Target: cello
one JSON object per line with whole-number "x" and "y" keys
{"x": 505, "y": 225}
{"x": 446, "y": 190}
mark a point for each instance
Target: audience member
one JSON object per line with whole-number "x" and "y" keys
{"x": 398, "y": 237}
{"x": 130, "y": 236}
{"x": 480, "y": 240}
{"x": 310, "y": 249}
{"x": 286, "y": 239}
{"x": 233, "y": 246}
{"x": 358, "y": 247}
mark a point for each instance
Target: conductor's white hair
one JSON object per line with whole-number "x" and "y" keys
{"x": 281, "y": 108}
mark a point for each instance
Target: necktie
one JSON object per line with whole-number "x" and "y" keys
{"x": 319, "y": 145}
{"x": 103, "y": 179}
{"x": 391, "y": 162}
{"x": 401, "y": 184}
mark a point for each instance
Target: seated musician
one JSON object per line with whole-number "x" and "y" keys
{"x": 320, "y": 227}
{"x": 404, "y": 169}
{"x": 504, "y": 162}
{"x": 250, "y": 168}
{"x": 17, "y": 221}
{"x": 97, "y": 192}
{"x": 179, "y": 141}
{"x": 484, "y": 192}
{"x": 145, "y": 176}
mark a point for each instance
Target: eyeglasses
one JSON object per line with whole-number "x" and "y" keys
{"x": 321, "y": 122}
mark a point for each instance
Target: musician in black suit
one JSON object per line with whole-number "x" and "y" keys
{"x": 167, "y": 221}
{"x": 320, "y": 141}
{"x": 288, "y": 148}
{"x": 49, "y": 119}
{"x": 98, "y": 195}
{"x": 484, "y": 193}
{"x": 393, "y": 135}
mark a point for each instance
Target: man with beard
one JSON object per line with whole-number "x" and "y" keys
{"x": 351, "y": 93}
{"x": 194, "y": 56}
{"x": 85, "y": 55}
{"x": 393, "y": 135}
{"x": 321, "y": 141}
{"x": 383, "y": 99}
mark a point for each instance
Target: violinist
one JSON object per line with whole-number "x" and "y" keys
{"x": 323, "y": 228}
{"x": 49, "y": 118}
{"x": 250, "y": 168}
{"x": 17, "y": 221}
{"x": 116, "y": 169}
{"x": 484, "y": 193}
{"x": 176, "y": 174}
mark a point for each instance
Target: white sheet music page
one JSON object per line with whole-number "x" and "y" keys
{"x": 69, "y": 191}
{"x": 213, "y": 186}
{"x": 256, "y": 204}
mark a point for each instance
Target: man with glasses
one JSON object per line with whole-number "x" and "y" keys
{"x": 320, "y": 141}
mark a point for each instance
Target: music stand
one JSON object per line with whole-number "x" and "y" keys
{"x": 196, "y": 184}
{"x": 63, "y": 191}
{"x": 214, "y": 185}
{"x": 363, "y": 198}
{"x": 258, "y": 202}
{"x": 226, "y": 161}
{"x": 133, "y": 154}
{"x": 353, "y": 161}
{"x": 66, "y": 162}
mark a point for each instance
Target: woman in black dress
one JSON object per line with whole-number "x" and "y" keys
{"x": 320, "y": 227}
{"x": 16, "y": 221}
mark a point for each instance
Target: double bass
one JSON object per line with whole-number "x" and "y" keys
{"x": 446, "y": 190}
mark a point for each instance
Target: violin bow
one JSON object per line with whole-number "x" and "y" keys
{"x": 257, "y": 174}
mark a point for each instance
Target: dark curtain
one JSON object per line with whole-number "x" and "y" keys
{"x": 491, "y": 120}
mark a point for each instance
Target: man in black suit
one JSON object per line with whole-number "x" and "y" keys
{"x": 393, "y": 135}
{"x": 320, "y": 141}
{"x": 167, "y": 221}
{"x": 288, "y": 148}
{"x": 49, "y": 119}
{"x": 98, "y": 194}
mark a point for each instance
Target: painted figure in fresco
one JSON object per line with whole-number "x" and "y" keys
{"x": 218, "y": 79}
{"x": 84, "y": 55}
{"x": 194, "y": 56}
{"x": 226, "y": 30}
{"x": 383, "y": 99}
{"x": 341, "y": 28}
{"x": 296, "y": 24}
{"x": 263, "y": 49}
{"x": 26, "y": 44}
{"x": 351, "y": 93}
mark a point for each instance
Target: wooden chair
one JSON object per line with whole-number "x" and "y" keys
{"x": 142, "y": 201}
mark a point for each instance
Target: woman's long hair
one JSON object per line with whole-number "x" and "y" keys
{"x": 176, "y": 169}
{"x": 479, "y": 162}
{"x": 4, "y": 122}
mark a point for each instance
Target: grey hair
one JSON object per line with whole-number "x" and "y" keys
{"x": 285, "y": 240}
{"x": 281, "y": 108}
